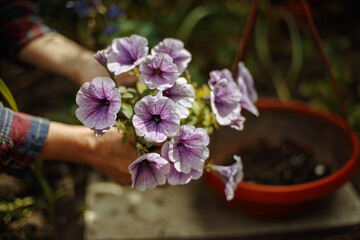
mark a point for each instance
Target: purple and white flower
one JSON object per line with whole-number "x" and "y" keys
{"x": 182, "y": 94}
{"x": 126, "y": 53}
{"x": 225, "y": 102}
{"x": 230, "y": 176}
{"x": 158, "y": 71}
{"x": 246, "y": 102}
{"x": 101, "y": 56}
{"x": 148, "y": 171}
{"x": 156, "y": 118}
{"x": 174, "y": 48}
{"x": 245, "y": 74}
{"x": 99, "y": 102}
{"x": 216, "y": 76}
{"x": 175, "y": 177}
{"x": 187, "y": 149}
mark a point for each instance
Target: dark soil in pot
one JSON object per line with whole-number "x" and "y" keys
{"x": 287, "y": 164}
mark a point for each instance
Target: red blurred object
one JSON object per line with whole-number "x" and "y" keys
{"x": 326, "y": 135}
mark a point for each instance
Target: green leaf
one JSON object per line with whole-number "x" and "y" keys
{"x": 127, "y": 110}
{"x": 4, "y": 90}
{"x": 122, "y": 89}
{"x": 148, "y": 92}
{"x": 127, "y": 95}
{"x": 141, "y": 87}
{"x": 131, "y": 90}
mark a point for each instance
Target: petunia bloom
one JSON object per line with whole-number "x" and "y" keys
{"x": 126, "y": 53}
{"x": 216, "y": 76}
{"x": 187, "y": 149}
{"x": 225, "y": 102}
{"x": 99, "y": 102}
{"x": 156, "y": 118}
{"x": 182, "y": 94}
{"x": 230, "y": 176}
{"x": 148, "y": 171}
{"x": 174, "y": 177}
{"x": 158, "y": 71}
{"x": 174, "y": 48}
{"x": 245, "y": 101}
{"x": 101, "y": 56}
{"x": 245, "y": 74}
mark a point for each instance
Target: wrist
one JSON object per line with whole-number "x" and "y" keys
{"x": 69, "y": 143}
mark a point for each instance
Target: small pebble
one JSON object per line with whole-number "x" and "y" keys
{"x": 319, "y": 169}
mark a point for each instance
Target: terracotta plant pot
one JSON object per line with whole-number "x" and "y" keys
{"x": 326, "y": 135}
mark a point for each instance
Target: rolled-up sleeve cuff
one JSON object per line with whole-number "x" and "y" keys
{"x": 22, "y": 139}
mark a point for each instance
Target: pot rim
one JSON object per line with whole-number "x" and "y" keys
{"x": 305, "y": 191}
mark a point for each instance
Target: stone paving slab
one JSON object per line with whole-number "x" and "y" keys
{"x": 194, "y": 211}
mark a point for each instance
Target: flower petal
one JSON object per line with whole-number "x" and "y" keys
{"x": 175, "y": 177}
{"x": 216, "y": 76}
{"x": 225, "y": 102}
{"x": 245, "y": 74}
{"x": 126, "y": 53}
{"x": 148, "y": 171}
{"x": 182, "y": 94}
{"x": 175, "y": 48}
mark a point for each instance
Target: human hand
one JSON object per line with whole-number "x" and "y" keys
{"x": 79, "y": 144}
{"x": 112, "y": 158}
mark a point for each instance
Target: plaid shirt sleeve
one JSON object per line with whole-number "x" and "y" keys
{"x": 21, "y": 139}
{"x": 19, "y": 25}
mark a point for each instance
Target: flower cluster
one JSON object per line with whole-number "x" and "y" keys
{"x": 164, "y": 109}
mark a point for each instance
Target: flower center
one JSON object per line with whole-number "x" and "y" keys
{"x": 156, "y": 118}
{"x": 157, "y": 71}
{"x": 144, "y": 164}
{"x": 104, "y": 102}
{"x": 166, "y": 92}
{"x": 180, "y": 144}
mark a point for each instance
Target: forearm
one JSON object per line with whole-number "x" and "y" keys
{"x": 60, "y": 55}
{"x": 69, "y": 142}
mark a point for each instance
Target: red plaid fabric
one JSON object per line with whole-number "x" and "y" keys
{"x": 19, "y": 24}
{"x": 21, "y": 139}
